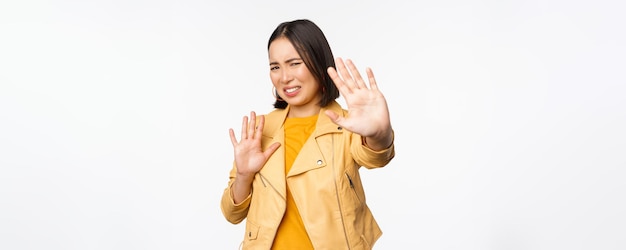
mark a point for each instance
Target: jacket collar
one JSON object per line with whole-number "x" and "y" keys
{"x": 274, "y": 121}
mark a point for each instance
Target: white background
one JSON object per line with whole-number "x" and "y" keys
{"x": 510, "y": 119}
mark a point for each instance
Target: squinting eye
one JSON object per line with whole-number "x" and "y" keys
{"x": 274, "y": 68}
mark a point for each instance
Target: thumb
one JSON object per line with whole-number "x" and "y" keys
{"x": 271, "y": 149}
{"x": 337, "y": 119}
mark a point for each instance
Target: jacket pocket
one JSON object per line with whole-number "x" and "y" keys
{"x": 353, "y": 189}
{"x": 252, "y": 231}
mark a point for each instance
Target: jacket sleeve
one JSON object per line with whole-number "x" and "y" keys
{"x": 234, "y": 213}
{"x": 369, "y": 158}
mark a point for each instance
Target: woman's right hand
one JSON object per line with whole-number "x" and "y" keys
{"x": 249, "y": 154}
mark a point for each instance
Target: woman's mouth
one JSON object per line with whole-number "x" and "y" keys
{"x": 292, "y": 91}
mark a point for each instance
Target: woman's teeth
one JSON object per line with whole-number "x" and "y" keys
{"x": 291, "y": 90}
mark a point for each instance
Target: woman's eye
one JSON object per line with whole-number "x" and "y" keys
{"x": 295, "y": 63}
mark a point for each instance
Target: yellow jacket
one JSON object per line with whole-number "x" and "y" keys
{"x": 325, "y": 184}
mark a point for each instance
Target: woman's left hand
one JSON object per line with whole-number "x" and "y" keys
{"x": 368, "y": 114}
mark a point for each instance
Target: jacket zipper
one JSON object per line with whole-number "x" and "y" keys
{"x": 352, "y": 187}
{"x": 343, "y": 224}
{"x": 350, "y": 180}
{"x": 263, "y": 179}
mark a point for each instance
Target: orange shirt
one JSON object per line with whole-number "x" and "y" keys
{"x": 291, "y": 233}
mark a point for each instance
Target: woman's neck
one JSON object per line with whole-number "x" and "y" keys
{"x": 300, "y": 111}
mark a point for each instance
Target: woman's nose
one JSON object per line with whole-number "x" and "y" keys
{"x": 286, "y": 76}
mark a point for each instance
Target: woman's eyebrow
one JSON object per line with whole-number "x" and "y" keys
{"x": 288, "y": 60}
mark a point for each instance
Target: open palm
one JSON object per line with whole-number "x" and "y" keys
{"x": 368, "y": 114}
{"x": 249, "y": 155}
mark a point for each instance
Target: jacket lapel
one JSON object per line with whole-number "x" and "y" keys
{"x": 274, "y": 169}
{"x": 310, "y": 156}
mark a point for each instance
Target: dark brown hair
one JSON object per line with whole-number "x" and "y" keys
{"x": 311, "y": 44}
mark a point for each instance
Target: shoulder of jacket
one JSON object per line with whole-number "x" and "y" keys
{"x": 273, "y": 121}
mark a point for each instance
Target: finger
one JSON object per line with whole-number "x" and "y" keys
{"x": 341, "y": 86}
{"x": 251, "y": 124}
{"x": 271, "y": 149}
{"x": 233, "y": 138}
{"x": 345, "y": 74}
{"x": 371, "y": 79}
{"x": 334, "y": 117}
{"x": 259, "y": 127}
{"x": 244, "y": 126}
{"x": 358, "y": 80}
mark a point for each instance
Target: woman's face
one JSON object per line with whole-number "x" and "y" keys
{"x": 292, "y": 79}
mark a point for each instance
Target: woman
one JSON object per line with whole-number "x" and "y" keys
{"x": 295, "y": 177}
